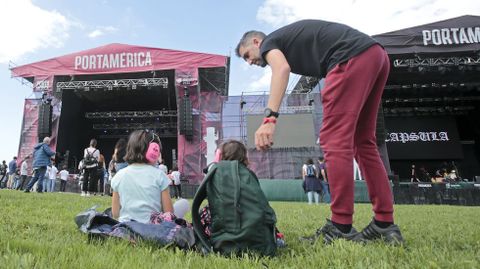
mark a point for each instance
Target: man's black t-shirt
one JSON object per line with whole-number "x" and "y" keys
{"x": 314, "y": 47}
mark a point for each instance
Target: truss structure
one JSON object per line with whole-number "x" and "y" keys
{"x": 134, "y": 126}
{"x": 442, "y": 61}
{"x": 22, "y": 80}
{"x": 283, "y": 109}
{"x": 131, "y": 114}
{"x": 111, "y": 84}
{"x": 467, "y": 85}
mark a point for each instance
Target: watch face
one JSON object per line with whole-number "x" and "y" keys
{"x": 267, "y": 113}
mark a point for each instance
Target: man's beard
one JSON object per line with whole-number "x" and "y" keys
{"x": 262, "y": 63}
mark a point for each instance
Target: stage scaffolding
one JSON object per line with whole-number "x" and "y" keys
{"x": 278, "y": 163}
{"x": 111, "y": 84}
{"x": 237, "y": 108}
{"x": 437, "y": 61}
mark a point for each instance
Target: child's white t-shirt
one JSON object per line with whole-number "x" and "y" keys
{"x": 64, "y": 175}
{"x": 53, "y": 172}
{"x": 139, "y": 187}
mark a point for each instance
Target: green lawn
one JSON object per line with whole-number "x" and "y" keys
{"x": 37, "y": 231}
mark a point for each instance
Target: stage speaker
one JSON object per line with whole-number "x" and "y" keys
{"x": 380, "y": 131}
{"x": 44, "y": 121}
{"x": 186, "y": 118}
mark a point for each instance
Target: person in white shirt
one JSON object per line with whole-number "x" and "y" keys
{"x": 63, "y": 178}
{"x": 163, "y": 167}
{"x": 46, "y": 181}
{"x": 52, "y": 176}
{"x": 177, "y": 183}
{"x": 23, "y": 173}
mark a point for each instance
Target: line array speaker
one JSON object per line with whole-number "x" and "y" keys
{"x": 44, "y": 121}
{"x": 186, "y": 118}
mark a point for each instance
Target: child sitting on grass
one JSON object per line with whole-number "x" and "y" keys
{"x": 231, "y": 150}
{"x": 140, "y": 190}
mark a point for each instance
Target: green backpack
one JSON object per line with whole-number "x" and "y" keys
{"x": 242, "y": 219}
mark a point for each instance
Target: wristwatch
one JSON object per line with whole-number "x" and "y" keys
{"x": 269, "y": 113}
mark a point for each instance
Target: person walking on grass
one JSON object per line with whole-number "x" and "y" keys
{"x": 12, "y": 169}
{"x": 91, "y": 156}
{"x": 3, "y": 174}
{"x": 63, "y": 178}
{"x": 52, "y": 176}
{"x": 177, "y": 184}
{"x": 41, "y": 159}
{"x": 322, "y": 175}
{"x": 23, "y": 173}
{"x": 355, "y": 68}
{"x": 311, "y": 182}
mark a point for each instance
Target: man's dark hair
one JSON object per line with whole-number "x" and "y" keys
{"x": 247, "y": 37}
{"x": 138, "y": 144}
{"x": 234, "y": 150}
{"x": 310, "y": 161}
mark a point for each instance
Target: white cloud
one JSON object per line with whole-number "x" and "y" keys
{"x": 261, "y": 83}
{"x": 102, "y": 30}
{"x": 26, "y": 28}
{"x": 369, "y": 16}
{"x": 95, "y": 33}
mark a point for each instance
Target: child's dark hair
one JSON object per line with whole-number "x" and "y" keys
{"x": 234, "y": 150}
{"x": 121, "y": 150}
{"x": 138, "y": 144}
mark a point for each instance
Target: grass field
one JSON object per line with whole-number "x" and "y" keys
{"x": 37, "y": 231}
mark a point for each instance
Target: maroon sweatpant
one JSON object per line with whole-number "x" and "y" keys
{"x": 350, "y": 99}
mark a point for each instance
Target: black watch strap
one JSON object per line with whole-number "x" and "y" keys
{"x": 270, "y": 113}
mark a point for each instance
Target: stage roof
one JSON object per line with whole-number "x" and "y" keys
{"x": 456, "y": 35}
{"x": 119, "y": 58}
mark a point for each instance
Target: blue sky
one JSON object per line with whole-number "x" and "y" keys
{"x": 41, "y": 29}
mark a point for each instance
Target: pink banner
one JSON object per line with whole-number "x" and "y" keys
{"x": 119, "y": 58}
{"x": 29, "y": 134}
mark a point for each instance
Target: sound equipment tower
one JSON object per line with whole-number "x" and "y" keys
{"x": 44, "y": 121}
{"x": 186, "y": 117}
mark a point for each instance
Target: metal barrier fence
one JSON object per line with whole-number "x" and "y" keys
{"x": 461, "y": 193}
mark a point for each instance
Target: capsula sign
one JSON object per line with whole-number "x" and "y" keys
{"x": 449, "y": 36}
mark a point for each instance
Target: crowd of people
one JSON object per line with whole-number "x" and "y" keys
{"x": 446, "y": 173}
{"x": 94, "y": 176}
{"x": 315, "y": 181}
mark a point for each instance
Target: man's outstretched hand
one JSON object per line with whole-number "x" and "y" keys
{"x": 264, "y": 136}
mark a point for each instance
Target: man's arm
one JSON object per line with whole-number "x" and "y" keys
{"x": 48, "y": 150}
{"x": 322, "y": 171}
{"x": 278, "y": 86}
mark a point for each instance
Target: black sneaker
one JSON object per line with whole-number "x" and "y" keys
{"x": 26, "y": 191}
{"x": 390, "y": 235}
{"x": 331, "y": 233}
